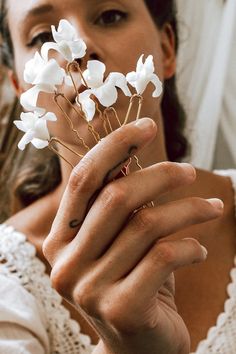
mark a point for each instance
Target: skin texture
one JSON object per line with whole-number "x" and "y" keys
{"x": 116, "y": 253}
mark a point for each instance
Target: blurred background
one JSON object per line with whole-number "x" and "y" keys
{"x": 207, "y": 80}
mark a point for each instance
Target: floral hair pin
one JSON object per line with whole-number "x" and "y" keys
{"x": 47, "y": 76}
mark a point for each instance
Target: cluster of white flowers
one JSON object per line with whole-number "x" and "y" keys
{"x": 46, "y": 75}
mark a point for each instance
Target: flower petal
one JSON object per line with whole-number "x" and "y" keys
{"x": 140, "y": 64}
{"x": 132, "y": 78}
{"x": 119, "y": 80}
{"x": 141, "y": 84}
{"x": 29, "y": 99}
{"x": 149, "y": 65}
{"x": 158, "y": 84}
{"x": 26, "y": 139}
{"x": 68, "y": 81}
{"x": 50, "y": 116}
{"x": 33, "y": 67}
{"x": 46, "y": 47}
{"x": 27, "y": 121}
{"x": 39, "y": 144}
{"x": 106, "y": 94}
{"x": 41, "y": 130}
{"x": 78, "y": 48}
{"x": 65, "y": 50}
{"x": 19, "y": 124}
{"x": 65, "y": 31}
{"x": 95, "y": 73}
{"x": 88, "y": 105}
{"x": 51, "y": 74}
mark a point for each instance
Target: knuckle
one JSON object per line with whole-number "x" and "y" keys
{"x": 170, "y": 172}
{"x": 114, "y": 195}
{"x": 51, "y": 247}
{"x": 83, "y": 176}
{"x": 60, "y": 279}
{"x": 142, "y": 221}
{"x": 86, "y": 297}
{"x": 46, "y": 249}
{"x": 174, "y": 175}
{"x": 164, "y": 254}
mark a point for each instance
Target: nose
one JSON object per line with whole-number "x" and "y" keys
{"x": 94, "y": 51}
{"x": 91, "y": 56}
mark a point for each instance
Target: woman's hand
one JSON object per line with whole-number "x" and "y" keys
{"x": 115, "y": 265}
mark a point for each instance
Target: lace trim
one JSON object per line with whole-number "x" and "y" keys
{"x": 223, "y": 318}
{"x": 230, "y": 302}
{"x": 18, "y": 260}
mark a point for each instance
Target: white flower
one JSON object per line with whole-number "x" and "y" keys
{"x": 88, "y": 105}
{"x": 104, "y": 91}
{"x": 42, "y": 72}
{"x": 144, "y": 75}
{"x": 45, "y": 75}
{"x": 67, "y": 43}
{"x": 35, "y": 129}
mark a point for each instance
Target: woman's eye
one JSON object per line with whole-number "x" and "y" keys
{"x": 40, "y": 39}
{"x": 111, "y": 17}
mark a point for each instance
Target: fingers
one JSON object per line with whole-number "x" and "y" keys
{"x": 120, "y": 198}
{"x": 164, "y": 258}
{"x": 98, "y": 167}
{"x": 147, "y": 227}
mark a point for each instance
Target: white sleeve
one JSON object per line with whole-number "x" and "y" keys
{"x": 22, "y": 322}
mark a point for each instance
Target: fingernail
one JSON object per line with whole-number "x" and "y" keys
{"x": 188, "y": 168}
{"x": 216, "y": 203}
{"x": 205, "y": 252}
{"x": 145, "y": 123}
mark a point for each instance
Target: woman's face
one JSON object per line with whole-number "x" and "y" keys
{"x": 116, "y": 32}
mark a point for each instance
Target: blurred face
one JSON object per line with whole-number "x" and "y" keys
{"x": 116, "y": 32}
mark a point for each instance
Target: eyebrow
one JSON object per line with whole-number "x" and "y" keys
{"x": 39, "y": 10}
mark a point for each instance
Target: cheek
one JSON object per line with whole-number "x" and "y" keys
{"x": 128, "y": 50}
{"x": 20, "y": 61}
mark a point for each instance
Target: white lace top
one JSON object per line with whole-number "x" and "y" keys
{"x": 34, "y": 321}
{"x": 32, "y": 318}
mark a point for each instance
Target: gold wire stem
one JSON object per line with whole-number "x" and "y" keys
{"x": 68, "y": 118}
{"x": 140, "y": 99}
{"x": 75, "y": 64}
{"x": 139, "y": 108}
{"x": 51, "y": 147}
{"x": 106, "y": 112}
{"x": 137, "y": 162}
{"x": 102, "y": 116}
{"x": 58, "y": 154}
{"x": 128, "y": 112}
{"x": 94, "y": 133}
{"x": 66, "y": 146}
{"x": 107, "y": 119}
{"x": 71, "y": 76}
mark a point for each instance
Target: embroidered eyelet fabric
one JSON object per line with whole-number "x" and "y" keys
{"x": 221, "y": 339}
{"x": 18, "y": 263}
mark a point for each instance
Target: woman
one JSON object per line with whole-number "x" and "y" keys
{"x": 113, "y": 265}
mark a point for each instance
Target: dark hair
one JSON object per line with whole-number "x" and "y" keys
{"x": 162, "y": 12}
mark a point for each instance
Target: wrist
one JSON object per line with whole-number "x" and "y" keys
{"x": 139, "y": 344}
